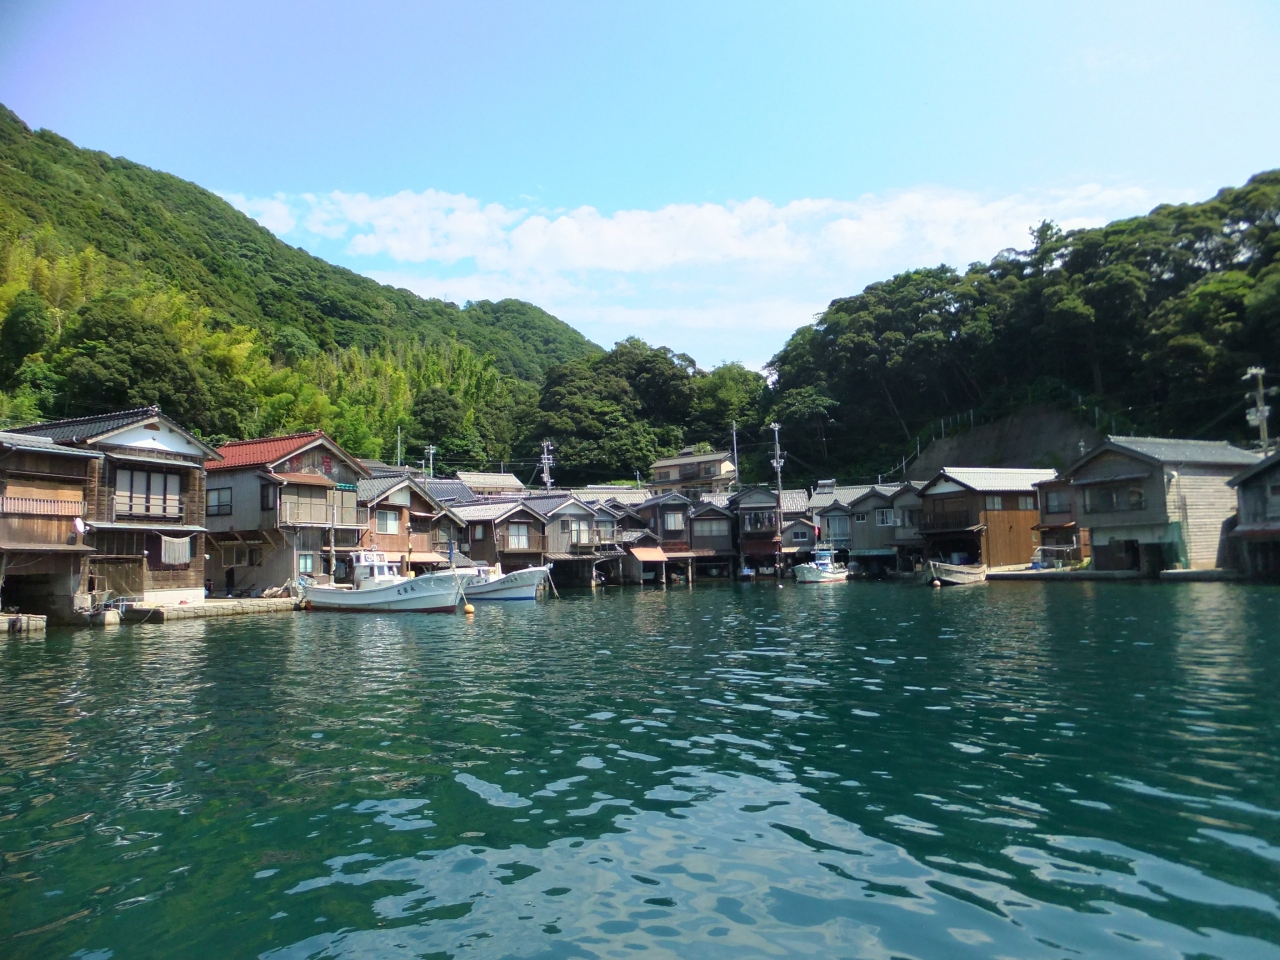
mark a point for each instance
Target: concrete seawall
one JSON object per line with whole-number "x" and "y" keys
{"x": 210, "y": 608}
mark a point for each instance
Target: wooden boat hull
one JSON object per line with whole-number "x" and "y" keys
{"x": 517, "y": 585}
{"x": 431, "y": 593}
{"x": 953, "y": 575}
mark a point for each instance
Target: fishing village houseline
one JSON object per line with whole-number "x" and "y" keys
{"x": 143, "y": 506}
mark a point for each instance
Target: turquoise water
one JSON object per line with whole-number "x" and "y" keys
{"x": 861, "y": 770}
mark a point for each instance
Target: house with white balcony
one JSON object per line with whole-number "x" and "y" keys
{"x": 282, "y": 507}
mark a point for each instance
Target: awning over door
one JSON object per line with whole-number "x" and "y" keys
{"x": 649, "y": 554}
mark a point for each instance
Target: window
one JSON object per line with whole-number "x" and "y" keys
{"x": 909, "y": 517}
{"x": 1057, "y": 501}
{"x": 711, "y": 528}
{"x": 859, "y": 518}
{"x": 664, "y": 474}
{"x": 800, "y": 536}
{"x": 306, "y": 563}
{"x": 388, "y": 521}
{"x": 217, "y": 502}
{"x": 518, "y": 536}
{"x": 1113, "y": 499}
{"x": 477, "y": 532}
{"x": 672, "y": 521}
{"x": 1273, "y": 501}
{"x": 995, "y": 503}
{"x": 143, "y": 493}
{"x": 565, "y": 525}
{"x": 709, "y": 470}
{"x": 756, "y": 521}
{"x": 837, "y": 526}
{"x": 1026, "y": 503}
{"x": 268, "y": 496}
{"x": 884, "y": 518}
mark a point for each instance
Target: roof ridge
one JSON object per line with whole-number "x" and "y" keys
{"x": 152, "y": 409}
{"x": 287, "y": 436}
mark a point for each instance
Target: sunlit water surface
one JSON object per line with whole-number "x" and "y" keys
{"x": 861, "y": 770}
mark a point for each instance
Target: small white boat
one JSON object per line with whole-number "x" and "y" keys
{"x": 822, "y": 569}
{"x": 379, "y": 589}
{"x": 490, "y": 583}
{"x": 953, "y": 574}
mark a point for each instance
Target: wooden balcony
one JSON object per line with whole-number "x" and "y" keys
{"x": 941, "y": 522}
{"x": 531, "y": 543}
{"x": 718, "y": 543}
{"x": 306, "y": 513}
{"x": 142, "y": 508}
{"x": 35, "y": 507}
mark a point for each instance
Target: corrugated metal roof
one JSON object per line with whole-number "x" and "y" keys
{"x": 262, "y": 452}
{"x": 43, "y": 445}
{"x": 1187, "y": 451}
{"x": 999, "y": 479}
{"x": 507, "y": 481}
{"x": 691, "y": 458}
{"x": 630, "y": 495}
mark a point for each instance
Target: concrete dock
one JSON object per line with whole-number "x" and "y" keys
{"x": 1064, "y": 575}
{"x": 212, "y": 607}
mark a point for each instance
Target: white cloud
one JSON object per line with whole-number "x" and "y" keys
{"x": 274, "y": 213}
{"x": 720, "y": 281}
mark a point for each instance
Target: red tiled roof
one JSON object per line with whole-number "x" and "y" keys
{"x": 259, "y": 453}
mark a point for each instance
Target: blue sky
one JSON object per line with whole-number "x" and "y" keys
{"x": 703, "y": 175}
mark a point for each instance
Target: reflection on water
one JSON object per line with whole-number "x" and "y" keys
{"x": 1025, "y": 770}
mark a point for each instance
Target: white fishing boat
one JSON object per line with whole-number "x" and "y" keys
{"x": 378, "y": 588}
{"x": 822, "y": 569}
{"x": 953, "y": 574}
{"x": 490, "y": 583}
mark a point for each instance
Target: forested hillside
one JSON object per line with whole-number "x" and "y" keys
{"x": 124, "y": 285}
{"x": 1146, "y": 323}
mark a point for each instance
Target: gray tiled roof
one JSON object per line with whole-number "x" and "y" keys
{"x": 453, "y": 492}
{"x": 1187, "y": 451}
{"x": 838, "y": 495}
{"x": 373, "y": 487}
{"x": 544, "y": 505}
{"x": 84, "y": 428}
{"x": 1249, "y": 472}
{"x": 508, "y": 481}
{"x": 999, "y": 479}
{"x": 691, "y": 458}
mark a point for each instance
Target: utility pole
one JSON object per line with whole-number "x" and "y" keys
{"x": 638, "y": 483}
{"x": 733, "y": 425}
{"x": 778, "y": 460}
{"x": 1257, "y": 414}
{"x": 431, "y": 460}
{"x": 547, "y": 464}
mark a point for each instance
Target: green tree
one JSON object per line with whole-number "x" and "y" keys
{"x": 27, "y": 329}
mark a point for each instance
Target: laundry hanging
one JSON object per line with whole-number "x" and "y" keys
{"x": 175, "y": 551}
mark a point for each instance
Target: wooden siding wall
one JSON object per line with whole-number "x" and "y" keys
{"x": 1202, "y": 501}
{"x": 1009, "y": 540}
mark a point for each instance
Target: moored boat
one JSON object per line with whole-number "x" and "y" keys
{"x": 822, "y": 569}
{"x": 378, "y": 589}
{"x": 953, "y": 574}
{"x": 490, "y": 583}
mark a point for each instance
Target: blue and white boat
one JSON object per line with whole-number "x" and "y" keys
{"x": 490, "y": 583}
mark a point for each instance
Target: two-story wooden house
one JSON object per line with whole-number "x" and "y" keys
{"x": 44, "y": 491}
{"x": 503, "y": 531}
{"x": 982, "y": 515}
{"x": 711, "y": 539}
{"x": 145, "y": 500}
{"x": 873, "y": 529}
{"x": 693, "y": 474}
{"x": 407, "y": 524}
{"x": 1152, "y": 503}
{"x": 1257, "y": 531}
{"x": 282, "y": 507}
{"x": 908, "y": 541}
{"x": 1063, "y": 540}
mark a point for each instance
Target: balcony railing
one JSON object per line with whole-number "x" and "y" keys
{"x": 953, "y": 520}
{"x": 37, "y": 507}
{"x": 306, "y": 513}
{"x": 530, "y": 543}
{"x": 128, "y": 506}
{"x": 589, "y": 539}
